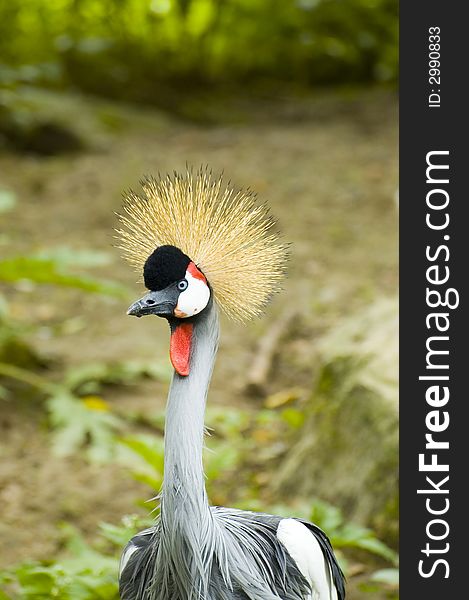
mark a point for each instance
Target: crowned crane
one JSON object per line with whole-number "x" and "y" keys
{"x": 202, "y": 246}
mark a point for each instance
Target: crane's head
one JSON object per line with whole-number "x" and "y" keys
{"x": 196, "y": 241}
{"x": 178, "y": 292}
{"x": 177, "y": 287}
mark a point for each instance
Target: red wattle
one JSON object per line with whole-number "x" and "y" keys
{"x": 180, "y": 348}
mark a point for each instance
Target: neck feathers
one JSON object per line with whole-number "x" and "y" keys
{"x": 187, "y": 529}
{"x": 184, "y": 430}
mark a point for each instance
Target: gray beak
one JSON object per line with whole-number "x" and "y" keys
{"x": 159, "y": 303}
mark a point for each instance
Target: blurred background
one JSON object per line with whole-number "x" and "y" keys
{"x": 296, "y": 100}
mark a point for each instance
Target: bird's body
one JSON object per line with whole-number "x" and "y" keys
{"x": 260, "y": 564}
{"x": 196, "y": 551}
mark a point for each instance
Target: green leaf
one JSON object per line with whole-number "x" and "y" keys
{"x": 387, "y": 576}
{"x": 7, "y": 201}
{"x": 77, "y": 425}
{"x": 228, "y": 422}
{"x": 66, "y": 257}
{"x": 293, "y": 417}
{"x": 89, "y": 377}
{"x": 327, "y": 517}
{"x": 152, "y": 481}
{"x": 85, "y": 574}
{"x": 220, "y": 458}
{"x": 200, "y": 16}
{"x": 150, "y": 450}
{"x": 119, "y": 535}
{"x": 48, "y": 271}
{"x": 354, "y": 536}
{"x": 378, "y": 548}
{"x": 38, "y": 581}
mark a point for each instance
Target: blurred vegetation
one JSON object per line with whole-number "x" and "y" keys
{"x": 70, "y": 408}
{"x": 177, "y": 54}
{"x": 138, "y": 49}
{"x": 87, "y": 572}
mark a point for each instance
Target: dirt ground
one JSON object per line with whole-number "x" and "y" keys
{"x": 327, "y": 165}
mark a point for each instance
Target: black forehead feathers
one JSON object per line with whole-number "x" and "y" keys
{"x": 164, "y": 266}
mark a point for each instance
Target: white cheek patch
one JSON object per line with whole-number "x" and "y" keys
{"x": 193, "y": 299}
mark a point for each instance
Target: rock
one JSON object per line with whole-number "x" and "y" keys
{"x": 347, "y": 450}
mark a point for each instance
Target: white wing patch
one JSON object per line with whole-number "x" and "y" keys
{"x": 126, "y": 557}
{"x": 131, "y": 548}
{"x": 305, "y": 550}
{"x": 193, "y": 299}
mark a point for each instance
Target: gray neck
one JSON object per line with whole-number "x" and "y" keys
{"x": 186, "y": 519}
{"x": 184, "y": 429}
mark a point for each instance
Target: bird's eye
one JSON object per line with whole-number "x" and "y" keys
{"x": 182, "y": 285}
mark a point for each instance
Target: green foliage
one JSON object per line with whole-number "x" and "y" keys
{"x": 348, "y": 535}
{"x": 119, "y": 535}
{"x": 90, "y": 378}
{"x": 80, "y": 419}
{"x": 82, "y": 423}
{"x": 135, "y": 49}
{"x": 51, "y": 269}
{"x": 86, "y": 571}
{"x": 7, "y": 201}
{"x": 388, "y": 576}
{"x": 83, "y": 419}
{"x": 77, "y": 418}
{"x": 76, "y": 421}
{"x": 383, "y": 580}
{"x": 83, "y": 574}
{"x": 149, "y": 452}
{"x": 83, "y": 571}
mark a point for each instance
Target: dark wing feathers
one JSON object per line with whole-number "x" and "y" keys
{"x": 137, "y": 574}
